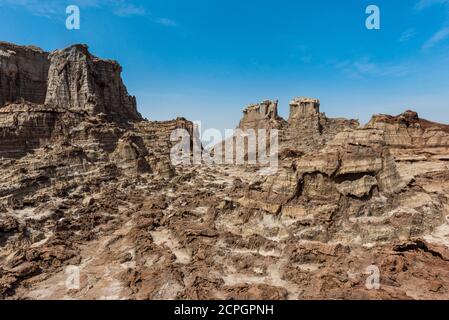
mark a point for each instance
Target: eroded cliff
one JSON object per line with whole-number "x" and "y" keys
{"x": 87, "y": 186}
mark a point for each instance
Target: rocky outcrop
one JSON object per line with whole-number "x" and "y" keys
{"x": 352, "y": 164}
{"x": 86, "y": 184}
{"x": 81, "y": 82}
{"x": 130, "y": 154}
{"x": 407, "y": 130}
{"x": 23, "y": 74}
{"x": 24, "y": 127}
{"x": 156, "y": 139}
{"x": 71, "y": 79}
{"x": 306, "y": 129}
{"x": 66, "y": 96}
{"x": 263, "y": 115}
{"x": 88, "y": 126}
{"x": 310, "y": 129}
{"x": 304, "y": 108}
{"x": 358, "y": 188}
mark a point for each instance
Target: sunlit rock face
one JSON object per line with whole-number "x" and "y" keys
{"x": 306, "y": 128}
{"x": 63, "y": 95}
{"x": 79, "y": 81}
{"x": 262, "y": 115}
{"x": 85, "y": 183}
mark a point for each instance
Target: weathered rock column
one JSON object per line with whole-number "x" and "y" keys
{"x": 80, "y": 81}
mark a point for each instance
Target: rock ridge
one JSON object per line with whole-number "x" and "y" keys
{"x": 87, "y": 185}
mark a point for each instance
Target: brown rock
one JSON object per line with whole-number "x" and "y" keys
{"x": 79, "y": 81}
{"x": 23, "y": 74}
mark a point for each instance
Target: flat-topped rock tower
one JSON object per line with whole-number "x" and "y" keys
{"x": 71, "y": 79}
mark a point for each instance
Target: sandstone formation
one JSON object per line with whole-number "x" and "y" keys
{"x": 81, "y": 82}
{"x": 306, "y": 128}
{"x": 310, "y": 129}
{"x": 261, "y": 116}
{"x": 88, "y": 185}
{"x": 23, "y": 74}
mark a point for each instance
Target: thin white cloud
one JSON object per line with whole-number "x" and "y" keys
{"x": 127, "y": 10}
{"x": 166, "y": 22}
{"x": 407, "y": 35}
{"x": 363, "y": 68}
{"x": 54, "y": 8}
{"x": 438, "y": 37}
{"x": 38, "y": 8}
{"x": 423, "y": 4}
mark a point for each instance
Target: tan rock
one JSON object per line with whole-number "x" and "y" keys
{"x": 357, "y": 188}
{"x": 360, "y": 160}
{"x": 79, "y": 81}
{"x": 263, "y": 115}
{"x": 257, "y": 204}
{"x": 130, "y": 154}
{"x": 326, "y": 163}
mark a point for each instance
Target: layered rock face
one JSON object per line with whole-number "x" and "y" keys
{"x": 80, "y": 104}
{"x": 81, "y": 82}
{"x": 304, "y": 108}
{"x": 51, "y": 88}
{"x": 23, "y": 74}
{"x": 23, "y": 127}
{"x": 364, "y": 187}
{"x": 261, "y": 116}
{"x": 306, "y": 129}
{"x": 407, "y": 130}
{"x": 86, "y": 184}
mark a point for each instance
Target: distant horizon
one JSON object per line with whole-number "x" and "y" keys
{"x": 206, "y": 61}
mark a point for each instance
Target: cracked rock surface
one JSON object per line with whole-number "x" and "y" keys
{"x": 88, "y": 185}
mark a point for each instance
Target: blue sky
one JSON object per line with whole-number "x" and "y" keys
{"x": 207, "y": 59}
